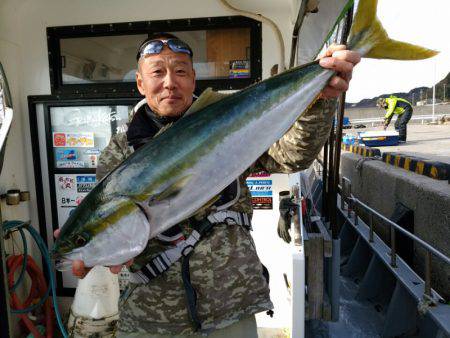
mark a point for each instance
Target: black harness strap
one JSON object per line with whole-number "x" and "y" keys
{"x": 202, "y": 227}
{"x": 191, "y": 294}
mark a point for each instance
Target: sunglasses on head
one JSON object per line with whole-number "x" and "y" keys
{"x": 157, "y": 45}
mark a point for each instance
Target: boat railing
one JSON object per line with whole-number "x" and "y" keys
{"x": 378, "y": 120}
{"x": 351, "y": 201}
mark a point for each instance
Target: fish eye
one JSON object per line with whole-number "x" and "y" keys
{"x": 81, "y": 239}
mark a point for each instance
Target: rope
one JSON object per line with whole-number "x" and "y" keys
{"x": 20, "y": 225}
{"x": 38, "y": 289}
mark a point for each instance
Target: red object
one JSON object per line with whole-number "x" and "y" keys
{"x": 303, "y": 206}
{"x": 259, "y": 174}
{"x": 59, "y": 140}
{"x": 37, "y": 291}
{"x": 178, "y": 240}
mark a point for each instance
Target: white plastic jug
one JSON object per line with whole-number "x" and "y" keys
{"x": 95, "y": 309}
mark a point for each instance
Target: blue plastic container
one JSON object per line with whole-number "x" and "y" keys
{"x": 378, "y": 138}
{"x": 349, "y": 139}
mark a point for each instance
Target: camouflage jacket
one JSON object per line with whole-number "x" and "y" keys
{"x": 224, "y": 268}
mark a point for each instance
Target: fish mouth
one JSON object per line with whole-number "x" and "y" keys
{"x": 63, "y": 260}
{"x": 63, "y": 264}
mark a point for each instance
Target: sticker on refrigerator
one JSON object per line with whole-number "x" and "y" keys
{"x": 85, "y": 183}
{"x": 66, "y": 155}
{"x": 68, "y": 201}
{"x": 65, "y": 182}
{"x": 92, "y": 161}
{"x": 69, "y": 164}
{"x": 59, "y": 139}
{"x": 79, "y": 140}
{"x": 94, "y": 151}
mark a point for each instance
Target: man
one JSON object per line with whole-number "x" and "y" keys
{"x": 400, "y": 107}
{"x": 224, "y": 284}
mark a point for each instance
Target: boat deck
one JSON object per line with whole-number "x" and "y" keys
{"x": 356, "y": 318}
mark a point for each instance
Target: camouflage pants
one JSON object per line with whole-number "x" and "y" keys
{"x": 245, "y": 328}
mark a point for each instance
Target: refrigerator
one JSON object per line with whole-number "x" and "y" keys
{"x": 67, "y": 139}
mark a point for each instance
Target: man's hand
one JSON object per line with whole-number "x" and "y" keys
{"x": 80, "y": 271}
{"x": 341, "y": 60}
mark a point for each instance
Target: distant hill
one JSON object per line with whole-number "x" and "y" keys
{"x": 414, "y": 95}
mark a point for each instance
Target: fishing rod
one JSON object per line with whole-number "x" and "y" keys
{"x": 334, "y": 178}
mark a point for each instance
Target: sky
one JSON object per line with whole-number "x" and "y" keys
{"x": 422, "y": 22}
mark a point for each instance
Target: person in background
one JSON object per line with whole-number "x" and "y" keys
{"x": 396, "y": 106}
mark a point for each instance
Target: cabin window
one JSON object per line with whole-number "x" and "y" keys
{"x": 99, "y": 59}
{"x": 219, "y": 53}
{"x": 96, "y": 59}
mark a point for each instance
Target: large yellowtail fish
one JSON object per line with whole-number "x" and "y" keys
{"x": 171, "y": 177}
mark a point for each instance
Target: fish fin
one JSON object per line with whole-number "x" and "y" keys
{"x": 398, "y": 50}
{"x": 207, "y": 97}
{"x": 173, "y": 190}
{"x": 368, "y": 37}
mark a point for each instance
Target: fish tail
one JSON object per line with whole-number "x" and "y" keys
{"x": 368, "y": 37}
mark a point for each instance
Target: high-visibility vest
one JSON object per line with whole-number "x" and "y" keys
{"x": 396, "y": 105}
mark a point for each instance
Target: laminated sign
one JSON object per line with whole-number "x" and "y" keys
{"x": 261, "y": 191}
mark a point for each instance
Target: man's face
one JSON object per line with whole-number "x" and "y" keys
{"x": 168, "y": 81}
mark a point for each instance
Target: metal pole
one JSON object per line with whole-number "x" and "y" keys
{"x": 349, "y": 201}
{"x": 371, "y": 228}
{"x": 325, "y": 182}
{"x": 393, "y": 250}
{"x": 330, "y": 208}
{"x": 296, "y": 30}
{"x": 427, "y": 273}
{"x": 297, "y": 232}
{"x": 434, "y": 88}
{"x": 335, "y": 276}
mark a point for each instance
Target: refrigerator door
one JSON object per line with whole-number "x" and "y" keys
{"x": 79, "y": 133}
{"x": 68, "y": 137}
